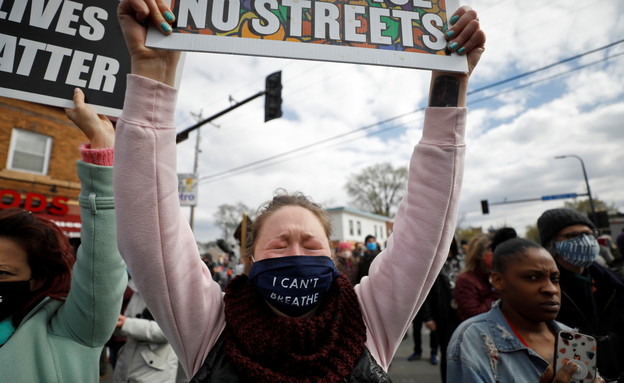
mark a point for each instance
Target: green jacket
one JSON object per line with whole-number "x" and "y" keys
{"x": 62, "y": 341}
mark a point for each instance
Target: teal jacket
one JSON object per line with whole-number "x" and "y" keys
{"x": 61, "y": 341}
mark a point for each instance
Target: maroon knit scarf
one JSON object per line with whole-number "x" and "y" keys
{"x": 264, "y": 347}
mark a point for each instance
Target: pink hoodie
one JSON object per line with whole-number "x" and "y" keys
{"x": 158, "y": 245}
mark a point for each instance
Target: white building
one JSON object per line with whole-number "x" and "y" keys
{"x": 353, "y": 225}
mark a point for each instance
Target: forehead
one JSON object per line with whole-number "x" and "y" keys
{"x": 290, "y": 219}
{"x": 573, "y": 229}
{"x": 532, "y": 259}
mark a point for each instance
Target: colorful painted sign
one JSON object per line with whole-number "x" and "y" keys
{"x": 402, "y": 33}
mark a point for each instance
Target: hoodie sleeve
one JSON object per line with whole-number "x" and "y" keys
{"x": 154, "y": 238}
{"x": 401, "y": 276}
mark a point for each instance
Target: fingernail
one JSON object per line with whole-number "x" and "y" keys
{"x": 168, "y": 16}
{"x": 461, "y": 50}
{"x": 165, "y": 27}
{"x": 453, "y": 46}
{"x": 454, "y": 19}
{"x": 450, "y": 33}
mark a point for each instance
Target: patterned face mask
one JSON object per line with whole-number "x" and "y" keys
{"x": 580, "y": 251}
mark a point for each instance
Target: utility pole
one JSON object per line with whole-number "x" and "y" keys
{"x": 198, "y": 117}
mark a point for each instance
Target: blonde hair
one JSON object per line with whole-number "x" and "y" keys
{"x": 474, "y": 253}
{"x": 282, "y": 199}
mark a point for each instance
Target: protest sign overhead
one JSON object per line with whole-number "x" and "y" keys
{"x": 50, "y": 47}
{"x": 402, "y": 33}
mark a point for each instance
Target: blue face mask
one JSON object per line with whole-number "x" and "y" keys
{"x": 580, "y": 251}
{"x": 372, "y": 246}
{"x": 294, "y": 285}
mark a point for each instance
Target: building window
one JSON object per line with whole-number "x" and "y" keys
{"x": 350, "y": 227}
{"x": 375, "y": 226}
{"x": 359, "y": 228}
{"x": 381, "y": 233}
{"x": 29, "y": 152}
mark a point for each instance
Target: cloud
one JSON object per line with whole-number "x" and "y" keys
{"x": 512, "y": 138}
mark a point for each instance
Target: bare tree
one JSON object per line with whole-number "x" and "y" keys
{"x": 378, "y": 188}
{"x": 227, "y": 217}
{"x": 582, "y": 206}
{"x": 532, "y": 233}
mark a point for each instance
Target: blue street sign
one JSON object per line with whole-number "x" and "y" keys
{"x": 558, "y": 196}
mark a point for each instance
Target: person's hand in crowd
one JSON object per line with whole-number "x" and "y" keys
{"x": 120, "y": 321}
{"x": 98, "y": 128}
{"x": 156, "y": 64}
{"x": 564, "y": 375}
{"x": 431, "y": 325}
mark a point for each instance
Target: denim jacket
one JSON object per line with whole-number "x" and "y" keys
{"x": 485, "y": 349}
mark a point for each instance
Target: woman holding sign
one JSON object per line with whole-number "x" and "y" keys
{"x": 292, "y": 317}
{"x": 50, "y": 332}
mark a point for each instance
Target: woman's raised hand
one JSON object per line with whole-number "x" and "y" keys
{"x": 97, "y": 128}
{"x": 465, "y": 36}
{"x": 134, "y": 15}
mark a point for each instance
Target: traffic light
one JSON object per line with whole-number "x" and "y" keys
{"x": 485, "y": 207}
{"x": 273, "y": 96}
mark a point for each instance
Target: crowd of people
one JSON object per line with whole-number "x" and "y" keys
{"x": 354, "y": 259}
{"x": 299, "y": 311}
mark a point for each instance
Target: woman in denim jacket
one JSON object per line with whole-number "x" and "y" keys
{"x": 515, "y": 340}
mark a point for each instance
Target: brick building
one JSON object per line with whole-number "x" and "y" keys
{"x": 38, "y": 154}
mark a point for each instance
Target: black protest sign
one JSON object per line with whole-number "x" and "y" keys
{"x": 50, "y": 47}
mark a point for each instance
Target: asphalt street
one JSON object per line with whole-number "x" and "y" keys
{"x": 419, "y": 371}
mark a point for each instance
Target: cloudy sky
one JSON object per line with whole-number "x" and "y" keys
{"x": 514, "y": 130}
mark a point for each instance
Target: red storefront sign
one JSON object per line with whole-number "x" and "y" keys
{"x": 56, "y": 210}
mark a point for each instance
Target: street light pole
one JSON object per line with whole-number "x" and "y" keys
{"x": 591, "y": 201}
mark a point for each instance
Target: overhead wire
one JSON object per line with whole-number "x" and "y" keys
{"x": 236, "y": 170}
{"x": 264, "y": 164}
{"x": 320, "y": 65}
{"x": 532, "y": 72}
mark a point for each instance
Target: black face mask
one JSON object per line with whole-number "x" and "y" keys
{"x": 12, "y": 296}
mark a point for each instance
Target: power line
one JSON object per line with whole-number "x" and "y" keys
{"x": 525, "y": 74}
{"x": 254, "y": 164}
{"x": 311, "y": 145}
{"x": 250, "y": 167}
{"x": 545, "y": 79}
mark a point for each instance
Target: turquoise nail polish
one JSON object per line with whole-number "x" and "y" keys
{"x": 450, "y": 33}
{"x": 168, "y": 16}
{"x": 461, "y": 50}
{"x": 165, "y": 27}
{"x": 453, "y": 46}
{"x": 454, "y": 19}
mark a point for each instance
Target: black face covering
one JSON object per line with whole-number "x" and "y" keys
{"x": 12, "y": 296}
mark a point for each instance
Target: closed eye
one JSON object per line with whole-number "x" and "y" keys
{"x": 313, "y": 245}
